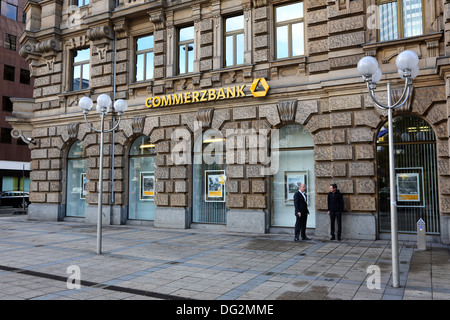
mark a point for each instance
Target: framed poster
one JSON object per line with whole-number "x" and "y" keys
{"x": 291, "y": 181}
{"x": 147, "y": 184}
{"x": 408, "y": 187}
{"x": 83, "y": 181}
{"x": 215, "y": 185}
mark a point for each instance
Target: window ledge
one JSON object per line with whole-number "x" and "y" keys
{"x": 430, "y": 38}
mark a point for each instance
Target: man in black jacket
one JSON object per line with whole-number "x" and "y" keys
{"x": 335, "y": 208}
{"x": 301, "y": 212}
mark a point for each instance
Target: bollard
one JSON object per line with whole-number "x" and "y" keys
{"x": 421, "y": 235}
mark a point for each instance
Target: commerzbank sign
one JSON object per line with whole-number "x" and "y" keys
{"x": 207, "y": 95}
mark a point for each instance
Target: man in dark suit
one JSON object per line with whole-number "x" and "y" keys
{"x": 301, "y": 212}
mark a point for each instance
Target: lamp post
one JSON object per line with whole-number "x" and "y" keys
{"x": 103, "y": 105}
{"x": 407, "y": 64}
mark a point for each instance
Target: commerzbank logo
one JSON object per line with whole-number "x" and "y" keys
{"x": 258, "y": 89}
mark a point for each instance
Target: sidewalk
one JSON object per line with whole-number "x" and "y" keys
{"x": 37, "y": 259}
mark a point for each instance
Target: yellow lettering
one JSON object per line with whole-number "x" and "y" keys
{"x": 166, "y": 101}
{"x": 203, "y": 95}
{"x": 178, "y": 99}
{"x": 195, "y": 96}
{"x": 211, "y": 94}
{"x": 240, "y": 91}
{"x": 187, "y": 97}
{"x": 156, "y": 104}
{"x": 220, "y": 94}
{"x": 231, "y": 92}
{"x": 148, "y": 102}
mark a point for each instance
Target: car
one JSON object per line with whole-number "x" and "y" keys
{"x": 15, "y": 198}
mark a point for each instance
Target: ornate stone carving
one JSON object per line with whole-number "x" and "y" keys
{"x": 99, "y": 33}
{"x": 137, "y": 124}
{"x": 287, "y": 110}
{"x": 205, "y": 116}
{"x": 72, "y": 130}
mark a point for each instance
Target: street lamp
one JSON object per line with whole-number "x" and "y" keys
{"x": 407, "y": 64}
{"x": 103, "y": 106}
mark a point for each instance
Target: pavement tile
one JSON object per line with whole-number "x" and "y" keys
{"x": 145, "y": 263}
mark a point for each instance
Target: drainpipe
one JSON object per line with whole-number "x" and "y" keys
{"x": 114, "y": 117}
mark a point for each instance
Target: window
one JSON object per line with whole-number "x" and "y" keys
{"x": 144, "y": 58}
{"x": 5, "y": 135}
{"x": 7, "y": 105}
{"x": 400, "y": 19}
{"x": 10, "y": 42}
{"x": 416, "y": 175}
{"x": 296, "y": 157}
{"x": 141, "y": 185}
{"x": 80, "y": 79}
{"x": 8, "y": 72}
{"x": 289, "y": 33}
{"x": 186, "y": 50}
{"x": 234, "y": 41}
{"x": 76, "y": 181}
{"x": 82, "y": 3}
{"x": 9, "y": 10}
{"x": 208, "y": 178}
{"x": 24, "y": 76}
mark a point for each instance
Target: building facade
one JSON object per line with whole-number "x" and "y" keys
{"x": 230, "y": 105}
{"x": 15, "y": 84}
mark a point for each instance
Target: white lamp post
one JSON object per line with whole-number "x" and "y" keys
{"x": 407, "y": 64}
{"x": 103, "y": 106}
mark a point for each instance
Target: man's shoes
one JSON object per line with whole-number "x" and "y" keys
{"x": 332, "y": 238}
{"x": 296, "y": 239}
{"x": 306, "y": 238}
{"x": 339, "y": 238}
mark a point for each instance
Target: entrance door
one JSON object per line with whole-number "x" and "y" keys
{"x": 296, "y": 164}
{"x": 415, "y": 174}
{"x": 209, "y": 179}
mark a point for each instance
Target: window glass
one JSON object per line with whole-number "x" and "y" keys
{"x": 141, "y": 187}
{"x": 76, "y": 181}
{"x": 11, "y": 11}
{"x": 296, "y": 162}
{"x": 289, "y": 12}
{"x": 144, "y": 58}
{"x": 234, "y": 23}
{"x": 81, "y": 69}
{"x": 186, "y": 50}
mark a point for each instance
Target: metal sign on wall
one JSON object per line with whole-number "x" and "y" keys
{"x": 208, "y": 95}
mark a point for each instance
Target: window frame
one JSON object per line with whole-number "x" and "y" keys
{"x": 400, "y": 26}
{"x": 186, "y": 44}
{"x": 143, "y": 52}
{"x": 289, "y": 24}
{"x": 234, "y": 34}
{"x": 80, "y": 64}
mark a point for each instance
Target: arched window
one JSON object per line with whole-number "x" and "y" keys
{"x": 296, "y": 164}
{"x": 209, "y": 179}
{"x": 415, "y": 174}
{"x": 141, "y": 180}
{"x": 76, "y": 181}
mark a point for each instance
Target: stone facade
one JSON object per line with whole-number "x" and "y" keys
{"x": 321, "y": 91}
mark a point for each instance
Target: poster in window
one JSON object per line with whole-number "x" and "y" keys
{"x": 83, "y": 181}
{"x": 215, "y": 185}
{"x": 147, "y": 186}
{"x": 291, "y": 181}
{"x": 408, "y": 187}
